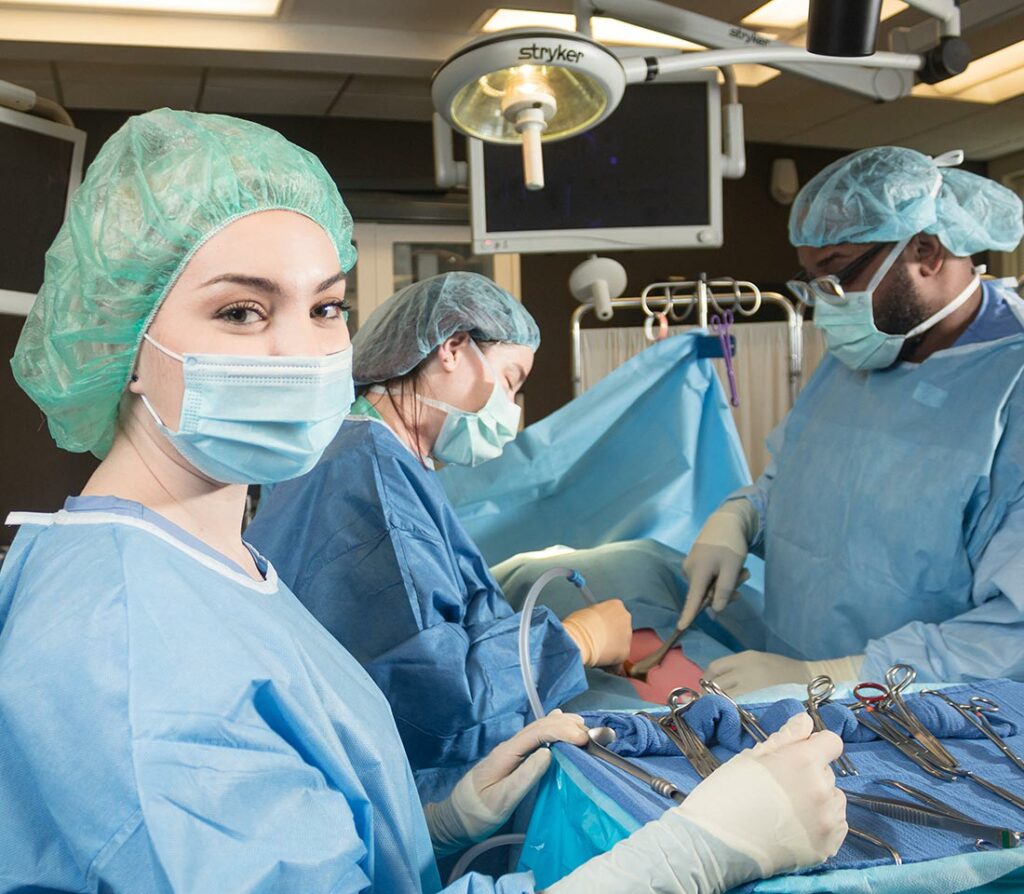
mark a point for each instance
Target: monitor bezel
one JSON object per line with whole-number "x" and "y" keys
{"x": 705, "y": 235}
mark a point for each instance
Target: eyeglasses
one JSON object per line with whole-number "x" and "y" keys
{"x": 829, "y": 288}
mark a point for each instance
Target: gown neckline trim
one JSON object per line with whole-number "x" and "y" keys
{"x": 269, "y": 586}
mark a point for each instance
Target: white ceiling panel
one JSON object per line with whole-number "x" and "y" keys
{"x": 95, "y": 85}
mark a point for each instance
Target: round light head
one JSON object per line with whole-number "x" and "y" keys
{"x": 486, "y": 86}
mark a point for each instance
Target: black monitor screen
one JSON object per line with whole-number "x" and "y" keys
{"x": 646, "y": 165}
{"x": 35, "y": 170}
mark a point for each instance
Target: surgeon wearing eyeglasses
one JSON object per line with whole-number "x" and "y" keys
{"x": 891, "y": 517}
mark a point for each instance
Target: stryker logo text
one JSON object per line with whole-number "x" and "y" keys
{"x": 535, "y": 53}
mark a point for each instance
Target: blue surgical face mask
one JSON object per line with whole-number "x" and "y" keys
{"x": 258, "y": 420}
{"x": 850, "y": 330}
{"x": 471, "y": 438}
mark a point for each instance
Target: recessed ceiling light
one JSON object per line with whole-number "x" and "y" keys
{"x": 791, "y": 14}
{"x": 192, "y": 7}
{"x": 605, "y": 30}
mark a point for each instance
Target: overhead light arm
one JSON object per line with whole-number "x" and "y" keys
{"x": 889, "y": 76}
{"x": 638, "y": 70}
{"x": 946, "y": 11}
{"x": 448, "y": 172}
{"x": 22, "y": 99}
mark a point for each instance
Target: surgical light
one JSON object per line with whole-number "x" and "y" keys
{"x": 528, "y": 86}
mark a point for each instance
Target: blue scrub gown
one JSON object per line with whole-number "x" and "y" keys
{"x": 169, "y": 724}
{"x": 371, "y": 545}
{"x": 892, "y": 515}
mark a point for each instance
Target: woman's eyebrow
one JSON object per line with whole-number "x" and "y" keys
{"x": 261, "y": 284}
{"x": 330, "y": 281}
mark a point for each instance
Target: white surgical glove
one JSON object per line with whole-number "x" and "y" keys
{"x": 748, "y": 671}
{"x": 603, "y": 633}
{"x": 771, "y": 809}
{"x": 484, "y": 799}
{"x": 715, "y": 563}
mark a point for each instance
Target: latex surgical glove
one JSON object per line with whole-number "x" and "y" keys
{"x": 771, "y": 809}
{"x": 603, "y": 633}
{"x": 484, "y": 799}
{"x": 714, "y": 565}
{"x": 748, "y": 671}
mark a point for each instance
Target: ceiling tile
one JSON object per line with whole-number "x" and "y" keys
{"x": 280, "y": 93}
{"x": 874, "y": 123}
{"x": 982, "y": 131}
{"x": 95, "y": 85}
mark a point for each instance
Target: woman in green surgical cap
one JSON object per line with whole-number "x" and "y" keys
{"x": 173, "y": 719}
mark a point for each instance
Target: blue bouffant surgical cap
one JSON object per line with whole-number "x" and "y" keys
{"x": 416, "y": 320}
{"x": 889, "y": 193}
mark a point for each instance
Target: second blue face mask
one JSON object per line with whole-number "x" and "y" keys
{"x": 258, "y": 419}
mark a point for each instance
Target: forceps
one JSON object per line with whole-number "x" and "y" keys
{"x": 974, "y": 710}
{"x": 991, "y": 834}
{"x": 925, "y": 759}
{"x": 899, "y": 677}
{"x": 685, "y": 739}
{"x": 753, "y": 728}
{"x": 920, "y": 815}
{"x": 819, "y": 691}
{"x": 748, "y": 721}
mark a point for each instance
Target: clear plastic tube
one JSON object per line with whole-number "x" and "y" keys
{"x": 575, "y": 578}
{"x": 466, "y": 860}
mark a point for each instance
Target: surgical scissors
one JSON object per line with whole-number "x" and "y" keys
{"x": 819, "y": 691}
{"x": 974, "y": 710}
{"x": 748, "y": 721}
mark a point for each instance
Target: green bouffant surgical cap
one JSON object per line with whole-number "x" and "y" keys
{"x": 158, "y": 190}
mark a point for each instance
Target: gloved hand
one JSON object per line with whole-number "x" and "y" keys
{"x": 603, "y": 633}
{"x": 774, "y": 808}
{"x": 484, "y": 799}
{"x": 716, "y": 558}
{"x": 748, "y": 671}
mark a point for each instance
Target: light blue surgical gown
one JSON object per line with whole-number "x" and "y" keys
{"x": 169, "y": 724}
{"x": 371, "y": 545}
{"x": 892, "y": 514}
